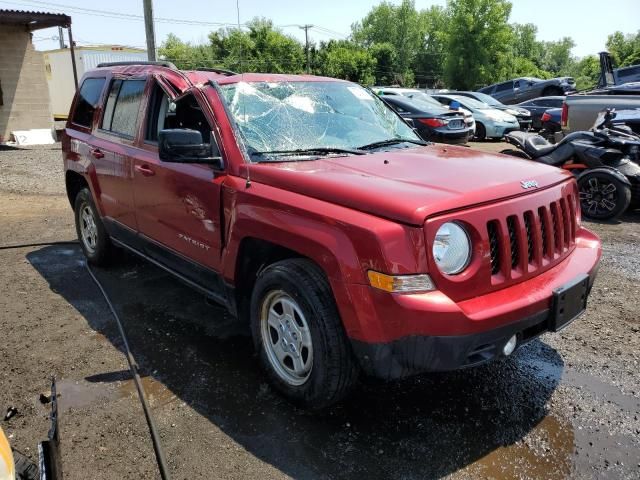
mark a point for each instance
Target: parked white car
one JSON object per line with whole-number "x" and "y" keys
{"x": 490, "y": 123}
{"x": 420, "y": 95}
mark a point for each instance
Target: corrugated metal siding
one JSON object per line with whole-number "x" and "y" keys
{"x": 91, "y": 59}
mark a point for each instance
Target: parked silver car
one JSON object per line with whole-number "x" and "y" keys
{"x": 490, "y": 123}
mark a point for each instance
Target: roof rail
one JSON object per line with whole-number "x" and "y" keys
{"x": 123, "y": 64}
{"x": 221, "y": 71}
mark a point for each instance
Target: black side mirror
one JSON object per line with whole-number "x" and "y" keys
{"x": 186, "y": 146}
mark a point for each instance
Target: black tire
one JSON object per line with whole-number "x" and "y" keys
{"x": 333, "y": 371}
{"x": 514, "y": 153}
{"x": 481, "y": 132}
{"x": 603, "y": 196}
{"x": 98, "y": 250}
{"x": 25, "y": 468}
{"x": 552, "y": 91}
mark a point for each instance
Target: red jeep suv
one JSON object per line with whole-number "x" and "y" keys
{"x": 313, "y": 212}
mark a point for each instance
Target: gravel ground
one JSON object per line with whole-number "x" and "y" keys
{"x": 565, "y": 406}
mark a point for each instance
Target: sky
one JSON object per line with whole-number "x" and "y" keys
{"x": 588, "y": 22}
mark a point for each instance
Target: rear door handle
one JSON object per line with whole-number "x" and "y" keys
{"x": 97, "y": 153}
{"x": 145, "y": 170}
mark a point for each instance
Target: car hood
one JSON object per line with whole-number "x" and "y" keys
{"x": 513, "y": 110}
{"x": 408, "y": 185}
{"x": 493, "y": 114}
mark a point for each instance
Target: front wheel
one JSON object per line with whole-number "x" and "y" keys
{"x": 299, "y": 336}
{"x": 481, "y": 131}
{"x": 603, "y": 196}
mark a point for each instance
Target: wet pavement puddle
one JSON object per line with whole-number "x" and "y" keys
{"x": 545, "y": 452}
{"x": 77, "y": 394}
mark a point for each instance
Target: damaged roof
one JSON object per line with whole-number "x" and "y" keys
{"x": 34, "y": 20}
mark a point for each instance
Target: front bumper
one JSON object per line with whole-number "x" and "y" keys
{"x": 415, "y": 354}
{"x": 525, "y": 123}
{"x": 409, "y": 334}
{"x": 499, "y": 129}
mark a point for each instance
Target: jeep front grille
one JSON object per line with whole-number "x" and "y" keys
{"x": 492, "y": 227}
{"x": 533, "y": 238}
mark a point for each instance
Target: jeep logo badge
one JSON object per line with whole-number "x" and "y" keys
{"x": 526, "y": 184}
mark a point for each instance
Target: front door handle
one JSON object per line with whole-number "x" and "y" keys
{"x": 145, "y": 170}
{"x": 97, "y": 153}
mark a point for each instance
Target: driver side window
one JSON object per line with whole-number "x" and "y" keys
{"x": 184, "y": 113}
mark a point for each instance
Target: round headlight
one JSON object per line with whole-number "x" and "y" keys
{"x": 451, "y": 248}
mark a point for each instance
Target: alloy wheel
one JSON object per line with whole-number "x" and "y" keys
{"x": 286, "y": 337}
{"x": 598, "y": 197}
{"x": 88, "y": 228}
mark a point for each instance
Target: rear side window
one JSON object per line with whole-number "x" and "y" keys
{"x": 629, "y": 72}
{"x": 504, "y": 87}
{"x": 88, "y": 99}
{"x": 121, "y": 109}
{"x": 487, "y": 89}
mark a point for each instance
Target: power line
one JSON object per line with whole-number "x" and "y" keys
{"x": 136, "y": 17}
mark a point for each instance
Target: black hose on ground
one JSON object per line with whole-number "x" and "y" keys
{"x": 39, "y": 244}
{"x": 133, "y": 367}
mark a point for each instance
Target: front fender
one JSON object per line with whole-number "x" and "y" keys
{"x": 345, "y": 243}
{"x": 606, "y": 169}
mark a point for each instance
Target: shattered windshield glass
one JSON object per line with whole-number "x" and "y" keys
{"x": 286, "y": 117}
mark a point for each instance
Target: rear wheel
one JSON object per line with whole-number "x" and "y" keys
{"x": 603, "y": 196}
{"x": 481, "y": 132}
{"x": 299, "y": 336}
{"x": 93, "y": 237}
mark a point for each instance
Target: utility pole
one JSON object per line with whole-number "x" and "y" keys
{"x": 149, "y": 30}
{"x": 306, "y": 42}
{"x": 61, "y": 37}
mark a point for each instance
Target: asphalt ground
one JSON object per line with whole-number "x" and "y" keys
{"x": 566, "y": 405}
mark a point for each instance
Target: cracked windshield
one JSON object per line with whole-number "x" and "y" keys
{"x": 287, "y": 118}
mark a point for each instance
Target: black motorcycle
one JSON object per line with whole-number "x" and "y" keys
{"x": 605, "y": 161}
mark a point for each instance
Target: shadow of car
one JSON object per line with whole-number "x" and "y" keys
{"x": 422, "y": 427}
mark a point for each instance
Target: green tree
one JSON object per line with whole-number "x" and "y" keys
{"x": 624, "y": 49}
{"x": 344, "y": 59}
{"x": 398, "y": 25}
{"x": 477, "y": 42}
{"x": 261, "y": 48}
{"x": 183, "y": 54}
{"x": 429, "y": 60}
{"x": 557, "y": 57}
{"x": 525, "y": 43}
{"x": 385, "y": 56}
{"x": 586, "y": 72}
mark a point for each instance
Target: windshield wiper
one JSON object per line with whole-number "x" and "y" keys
{"x": 316, "y": 150}
{"x": 391, "y": 141}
